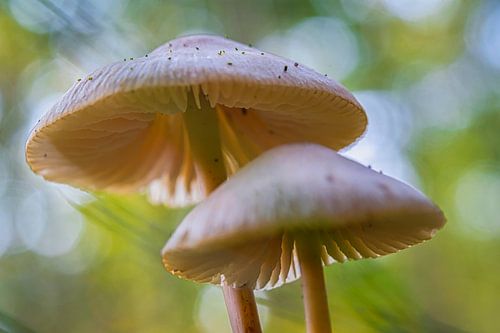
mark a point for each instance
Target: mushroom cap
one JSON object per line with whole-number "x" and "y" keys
{"x": 244, "y": 232}
{"x": 121, "y": 127}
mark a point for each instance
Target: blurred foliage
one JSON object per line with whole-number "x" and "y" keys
{"x": 428, "y": 73}
{"x": 444, "y": 158}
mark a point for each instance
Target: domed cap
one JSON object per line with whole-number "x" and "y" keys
{"x": 244, "y": 232}
{"x": 121, "y": 128}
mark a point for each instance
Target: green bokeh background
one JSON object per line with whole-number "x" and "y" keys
{"x": 428, "y": 74}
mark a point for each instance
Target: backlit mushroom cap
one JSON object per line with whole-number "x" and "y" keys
{"x": 121, "y": 128}
{"x": 244, "y": 232}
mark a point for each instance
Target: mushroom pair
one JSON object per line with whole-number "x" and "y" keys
{"x": 291, "y": 211}
{"x": 180, "y": 120}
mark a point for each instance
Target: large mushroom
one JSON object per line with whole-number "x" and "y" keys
{"x": 298, "y": 207}
{"x": 172, "y": 120}
{"x": 177, "y": 122}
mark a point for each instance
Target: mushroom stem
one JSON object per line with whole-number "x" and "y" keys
{"x": 204, "y": 141}
{"x": 242, "y": 301}
{"x": 313, "y": 285}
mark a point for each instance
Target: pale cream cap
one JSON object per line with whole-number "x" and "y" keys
{"x": 121, "y": 127}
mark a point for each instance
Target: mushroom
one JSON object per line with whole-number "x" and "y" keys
{"x": 298, "y": 207}
{"x": 178, "y": 122}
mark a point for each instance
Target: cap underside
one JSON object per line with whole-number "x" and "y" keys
{"x": 269, "y": 262}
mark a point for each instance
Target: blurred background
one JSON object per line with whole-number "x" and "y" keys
{"x": 428, "y": 74}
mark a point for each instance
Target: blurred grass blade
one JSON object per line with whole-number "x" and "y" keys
{"x": 10, "y": 325}
{"x": 134, "y": 219}
{"x": 358, "y": 293}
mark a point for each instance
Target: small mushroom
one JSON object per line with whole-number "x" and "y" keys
{"x": 290, "y": 211}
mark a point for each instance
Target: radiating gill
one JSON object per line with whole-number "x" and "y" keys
{"x": 196, "y": 94}
{"x": 179, "y": 97}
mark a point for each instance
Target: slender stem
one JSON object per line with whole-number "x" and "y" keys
{"x": 242, "y": 301}
{"x": 313, "y": 285}
{"x": 202, "y": 126}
